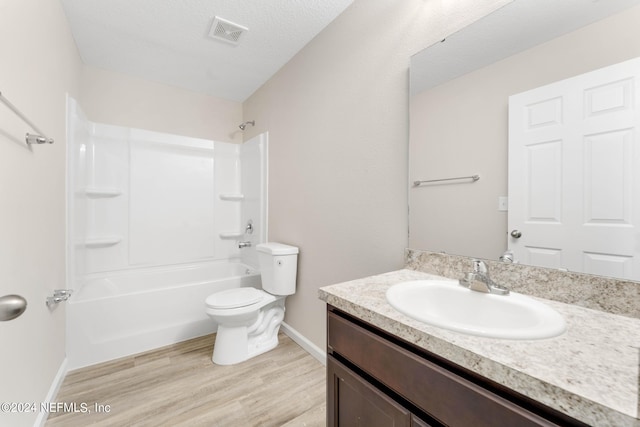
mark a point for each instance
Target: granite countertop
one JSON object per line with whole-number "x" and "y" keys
{"x": 591, "y": 372}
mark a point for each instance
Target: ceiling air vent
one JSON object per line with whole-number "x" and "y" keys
{"x": 221, "y": 29}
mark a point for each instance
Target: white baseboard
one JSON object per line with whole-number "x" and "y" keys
{"x": 305, "y": 343}
{"x": 53, "y": 392}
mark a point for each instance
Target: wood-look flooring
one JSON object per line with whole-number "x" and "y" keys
{"x": 178, "y": 385}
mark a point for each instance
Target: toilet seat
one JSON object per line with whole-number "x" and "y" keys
{"x": 234, "y": 298}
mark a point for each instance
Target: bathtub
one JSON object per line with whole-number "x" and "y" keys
{"x": 120, "y": 314}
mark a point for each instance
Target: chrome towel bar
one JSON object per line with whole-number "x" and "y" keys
{"x": 473, "y": 177}
{"x": 29, "y": 138}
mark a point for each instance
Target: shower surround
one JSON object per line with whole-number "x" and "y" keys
{"x": 154, "y": 222}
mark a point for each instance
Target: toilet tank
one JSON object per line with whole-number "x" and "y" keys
{"x": 278, "y": 267}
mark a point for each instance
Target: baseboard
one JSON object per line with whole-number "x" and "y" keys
{"x": 53, "y": 392}
{"x": 305, "y": 343}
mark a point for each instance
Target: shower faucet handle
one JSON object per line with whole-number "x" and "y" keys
{"x": 59, "y": 295}
{"x": 249, "y": 228}
{"x": 62, "y": 293}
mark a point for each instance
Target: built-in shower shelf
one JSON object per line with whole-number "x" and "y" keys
{"x": 231, "y": 234}
{"x": 95, "y": 192}
{"x": 102, "y": 242}
{"x": 232, "y": 196}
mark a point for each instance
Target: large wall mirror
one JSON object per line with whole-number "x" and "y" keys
{"x": 459, "y": 117}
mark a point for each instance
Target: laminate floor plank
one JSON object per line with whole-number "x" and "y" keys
{"x": 178, "y": 385}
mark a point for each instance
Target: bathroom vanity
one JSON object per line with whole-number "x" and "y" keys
{"x": 386, "y": 369}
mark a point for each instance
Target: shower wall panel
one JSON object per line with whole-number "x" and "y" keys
{"x": 144, "y": 199}
{"x": 227, "y": 181}
{"x": 171, "y": 212}
{"x": 254, "y": 173}
{"x": 106, "y": 192}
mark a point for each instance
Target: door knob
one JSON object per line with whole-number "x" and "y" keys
{"x": 516, "y": 234}
{"x": 12, "y": 306}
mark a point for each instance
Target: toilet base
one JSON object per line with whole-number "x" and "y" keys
{"x": 237, "y": 343}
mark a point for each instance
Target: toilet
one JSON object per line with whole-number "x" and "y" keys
{"x": 248, "y": 318}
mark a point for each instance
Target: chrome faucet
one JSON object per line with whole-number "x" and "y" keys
{"x": 243, "y": 244}
{"x": 479, "y": 280}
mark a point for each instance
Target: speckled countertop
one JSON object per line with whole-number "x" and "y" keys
{"x": 591, "y": 372}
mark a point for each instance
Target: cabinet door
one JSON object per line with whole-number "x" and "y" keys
{"x": 352, "y": 401}
{"x": 417, "y": 422}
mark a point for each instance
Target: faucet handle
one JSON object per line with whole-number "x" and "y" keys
{"x": 479, "y": 266}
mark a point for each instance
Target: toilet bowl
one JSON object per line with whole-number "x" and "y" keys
{"x": 248, "y": 318}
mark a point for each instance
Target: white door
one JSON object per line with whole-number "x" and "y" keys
{"x": 574, "y": 173}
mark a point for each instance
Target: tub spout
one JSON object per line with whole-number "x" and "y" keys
{"x": 243, "y": 245}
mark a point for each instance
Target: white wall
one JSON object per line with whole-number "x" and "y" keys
{"x": 460, "y": 128}
{"x": 337, "y": 116}
{"x": 39, "y": 64}
{"x": 118, "y": 99}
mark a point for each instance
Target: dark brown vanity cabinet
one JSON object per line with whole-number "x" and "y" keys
{"x": 375, "y": 379}
{"x": 359, "y": 403}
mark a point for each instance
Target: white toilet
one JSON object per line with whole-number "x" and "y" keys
{"x": 248, "y": 318}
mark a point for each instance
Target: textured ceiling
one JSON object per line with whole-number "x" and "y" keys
{"x": 167, "y": 40}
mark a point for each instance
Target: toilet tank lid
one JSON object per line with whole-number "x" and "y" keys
{"x": 274, "y": 248}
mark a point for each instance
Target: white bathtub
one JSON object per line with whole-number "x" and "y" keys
{"x": 130, "y": 312}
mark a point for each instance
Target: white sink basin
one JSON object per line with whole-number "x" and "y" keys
{"x": 448, "y": 305}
